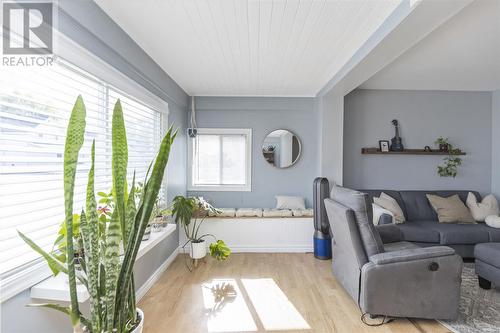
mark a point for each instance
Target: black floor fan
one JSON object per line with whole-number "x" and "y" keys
{"x": 322, "y": 237}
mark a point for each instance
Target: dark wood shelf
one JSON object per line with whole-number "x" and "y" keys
{"x": 407, "y": 152}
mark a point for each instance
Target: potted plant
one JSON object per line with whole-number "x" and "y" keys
{"x": 191, "y": 213}
{"x": 451, "y": 162}
{"x": 442, "y": 144}
{"x": 110, "y": 252}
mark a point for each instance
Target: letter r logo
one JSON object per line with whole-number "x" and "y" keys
{"x": 27, "y": 28}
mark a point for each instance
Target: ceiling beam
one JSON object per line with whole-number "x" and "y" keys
{"x": 410, "y": 22}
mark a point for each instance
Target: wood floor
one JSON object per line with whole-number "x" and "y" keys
{"x": 259, "y": 292}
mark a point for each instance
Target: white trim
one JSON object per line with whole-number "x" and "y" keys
{"x": 265, "y": 249}
{"x": 154, "y": 239}
{"x": 142, "y": 291}
{"x": 225, "y": 188}
{"x": 25, "y": 278}
{"x": 82, "y": 58}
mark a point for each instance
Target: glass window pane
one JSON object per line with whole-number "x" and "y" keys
{"x": 207, "y": 160}
{"x": 234, "y": 155}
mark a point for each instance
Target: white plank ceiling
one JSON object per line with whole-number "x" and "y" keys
{"x": 250, "y": 48}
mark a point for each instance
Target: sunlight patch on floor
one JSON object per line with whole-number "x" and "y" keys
{"x": 226, "y": 308}
{"x": 274, "y": 309}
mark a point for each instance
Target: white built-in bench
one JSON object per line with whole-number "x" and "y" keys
{"x": 260, "y": 234}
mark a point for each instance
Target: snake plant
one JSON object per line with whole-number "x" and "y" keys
{"x": 108, "y": 274}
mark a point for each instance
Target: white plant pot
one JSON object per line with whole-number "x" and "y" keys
{"x": 198, "y": 250}
{"x": 139, "y": 327}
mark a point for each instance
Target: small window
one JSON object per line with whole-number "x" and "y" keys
{"x": 220, "y": 160}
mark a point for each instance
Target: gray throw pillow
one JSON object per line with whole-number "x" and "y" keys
{"x": 360, "y": 203}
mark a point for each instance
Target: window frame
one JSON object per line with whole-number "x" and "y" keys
{"x": 25, "y": 276}
{"x": 247, "y": 187}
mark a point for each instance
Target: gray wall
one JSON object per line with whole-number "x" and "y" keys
{"x": 84, "y": 22}
{"x": 495, "y": 152}
{"x": 263, "y": 115}
{"x": 464, "y": 117}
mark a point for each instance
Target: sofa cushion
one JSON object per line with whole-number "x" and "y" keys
{"x": 419, "y": 231}
{"x": 494, "y": 233}
{"x": 391, "y": 193}
{"x": 451, "y": 233}
{"x": 417, "y": 206}
{"x": 360, "y": 204}
{"x": 488, "y": 253}
{"x": 450, "y": 209}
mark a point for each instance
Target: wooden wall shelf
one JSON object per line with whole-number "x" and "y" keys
{"x": 406, "y": 152}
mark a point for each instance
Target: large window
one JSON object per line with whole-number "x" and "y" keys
{"x": 35, "y": 105}
{"x": 220, "y": 160}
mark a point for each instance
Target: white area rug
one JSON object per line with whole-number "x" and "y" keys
{"x": 479, "y": 309}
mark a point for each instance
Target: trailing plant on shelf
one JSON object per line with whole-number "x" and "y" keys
{"x": 452, "y": 161}
{"x": 191, "y": 213}
{"x": 108, "y": 273}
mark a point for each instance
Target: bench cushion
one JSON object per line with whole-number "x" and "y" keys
{"x": 488, "y": 253}
{"x": 419, "y": 231}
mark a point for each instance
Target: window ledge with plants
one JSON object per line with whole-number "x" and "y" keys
{"x": 56, "y": 288}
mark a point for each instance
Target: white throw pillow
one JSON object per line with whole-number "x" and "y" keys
{"x": 480, "y": 210}
{"x": 288, "y": 202}
{"x": 389, "y": 203}
{"x": 493, "y": 221}
{"x": 378, "y": 212}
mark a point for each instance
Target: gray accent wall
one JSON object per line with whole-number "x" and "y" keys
{"x": 88, "y": 25}
{"x": 463, "y": 117}
{"x": 263, "y": 115}
{"x": 495, "y": 151}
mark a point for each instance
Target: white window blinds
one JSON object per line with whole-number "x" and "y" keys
{"x": 35, "y": 105}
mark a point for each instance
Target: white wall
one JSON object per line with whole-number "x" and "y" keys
{"x": 495, "y": 147}
{"x": 331, "y": 118}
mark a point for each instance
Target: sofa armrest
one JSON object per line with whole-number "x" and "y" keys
{"x": 385, "y": 219}
{"x": 411, "y": 254}
{"x": 389, "y": 233}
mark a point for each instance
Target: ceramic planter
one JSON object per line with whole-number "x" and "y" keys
{"x": 138, "y": 328}
{"x": 198, "y": 250}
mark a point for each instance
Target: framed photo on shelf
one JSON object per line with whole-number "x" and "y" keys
{"x": 383, "y": 145}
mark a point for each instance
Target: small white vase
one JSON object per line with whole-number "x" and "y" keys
{"x": 198, "y": 250}
{"x": 139, "y": 327}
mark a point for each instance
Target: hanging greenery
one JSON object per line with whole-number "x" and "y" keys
{"x": 451, "y": 162}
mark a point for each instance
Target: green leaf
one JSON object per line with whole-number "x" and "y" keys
{"x": 55, "y": 265}
{"x": 119, "y": 162}
{"x": 74, "y": 141}
{"x": 112, "y": 266}
{"x": 219, "y": 250}
{"x": 90, "y": 232}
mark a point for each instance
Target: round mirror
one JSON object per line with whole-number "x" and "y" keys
{"x": 281, "y": 148}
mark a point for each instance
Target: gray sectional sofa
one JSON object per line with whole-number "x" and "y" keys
{"x": 422, "y": 226}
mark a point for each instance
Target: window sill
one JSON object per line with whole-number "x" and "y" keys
{"x": 219, "y": 188}
{"x": 56, "y": 288}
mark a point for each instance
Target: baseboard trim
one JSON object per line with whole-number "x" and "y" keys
{"x": 274, "y": 249}
{"x": 264, "y": 249}
{"x": 141, "y": 292}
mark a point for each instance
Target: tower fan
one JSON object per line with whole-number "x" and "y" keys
{"x": 322, "y": 237}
